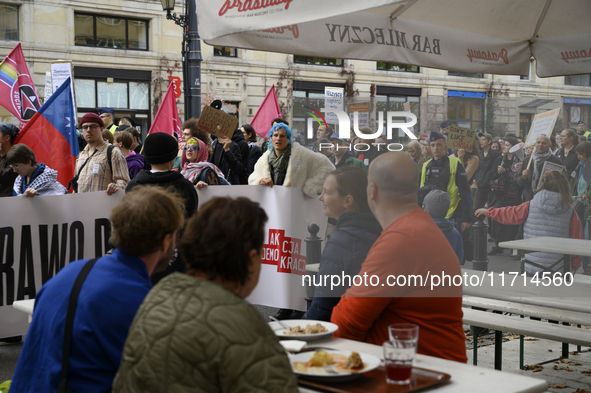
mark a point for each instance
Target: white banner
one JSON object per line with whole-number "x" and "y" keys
{"x": 334, "y": 98}
{"x": 284, "y": 258}
{"x": 39, "y": 236}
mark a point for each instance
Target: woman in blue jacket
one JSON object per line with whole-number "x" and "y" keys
{"x": 344, "y": 198}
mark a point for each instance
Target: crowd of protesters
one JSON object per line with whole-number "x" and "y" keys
{"x": 381, "y": 206}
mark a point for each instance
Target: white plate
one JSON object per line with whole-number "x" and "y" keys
{"x": 280, "y": 331}
{"x": 318, "y": 373}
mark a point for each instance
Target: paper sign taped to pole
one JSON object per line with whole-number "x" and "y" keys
{"x": 543, "y": 124}
{"x": 460, "y": 138}
{"x": 217, "y": 122}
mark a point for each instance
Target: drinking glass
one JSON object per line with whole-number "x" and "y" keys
{"x": 400, "y": 352}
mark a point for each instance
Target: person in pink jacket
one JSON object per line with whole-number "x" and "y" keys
{"x": 549, "y": 213}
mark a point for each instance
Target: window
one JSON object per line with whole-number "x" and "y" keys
{"x": 311, "y": 95}
{"x": 465, "y": 74}
{"x": 110, "y": 32}
{"x": 382, "y": 65}
{"x": 8, "y": 22}
{"x": 578, "y": 80}
{"x": 466, "y": 109}
{"x": 317, "y": 61}
{"x": 126, "y": 91}
{"x": 392, "y": 99}
{"x": 224, "y": 51}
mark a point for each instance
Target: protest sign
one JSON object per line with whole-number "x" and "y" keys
{"x": 543, "y": 124}
{"x": 362, "y": 109}
{"x": 39, "y": 236}
{"x": 549, "y": 167}
{"x": 60, "y": 71}
{"x": 334, "y": 97}
{"x": 284, "y": 249}
{"x": 217, "y": 122}
{"x": 460, "y": 138}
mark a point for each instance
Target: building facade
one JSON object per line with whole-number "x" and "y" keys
{"x": 124, "y": 53}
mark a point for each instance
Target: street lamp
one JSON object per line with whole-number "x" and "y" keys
{"x": 192, "y": 62}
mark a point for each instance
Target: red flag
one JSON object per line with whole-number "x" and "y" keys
{"x": 269, "y": 110}
{"x": 167, "y": 119}
{"x": 17, "y": 90}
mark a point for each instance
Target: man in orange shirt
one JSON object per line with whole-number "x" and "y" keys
{"x": 411, "y": 245}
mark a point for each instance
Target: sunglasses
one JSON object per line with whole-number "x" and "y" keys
{"x": 191, "y": 147}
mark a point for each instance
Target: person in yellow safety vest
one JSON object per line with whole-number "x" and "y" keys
{"x": 447, "y": 174}
{"x": 581, "y": 130}
{"x": 108, "y": 116}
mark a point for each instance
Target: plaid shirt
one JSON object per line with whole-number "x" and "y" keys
{"x": 96, "y": 174}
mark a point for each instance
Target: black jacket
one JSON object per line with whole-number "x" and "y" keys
{"x": 254, "y": 155}
{"x": 169, "y": 179}
{"x": 344, "y": 253}
{"x": 571, "y": 161}
{"x": 485, "y": 169}
{"x": 233, "y": 163}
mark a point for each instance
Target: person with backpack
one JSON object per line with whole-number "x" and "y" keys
{"x": 100, "y": 166}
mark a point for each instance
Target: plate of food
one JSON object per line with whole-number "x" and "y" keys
{"x": 303, "y": 329}
{"x": 334, "y": 365}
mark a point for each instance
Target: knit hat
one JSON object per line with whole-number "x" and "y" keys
{"x": 160, "y": 148}
{"x": 92, "y": 118}
{"x": 436, "y": 203}
{"x": 10, "y": 130}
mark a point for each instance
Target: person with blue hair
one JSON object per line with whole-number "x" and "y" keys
{"x": 287, "y": 163}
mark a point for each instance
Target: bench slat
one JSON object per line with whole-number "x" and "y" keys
{"x": 555, "y": 314}
{"x": 527, "y": 327}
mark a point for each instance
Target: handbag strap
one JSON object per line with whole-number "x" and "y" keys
{"x": 70, "y": 321}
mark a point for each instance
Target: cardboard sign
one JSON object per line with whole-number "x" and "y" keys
{"x": 543, "y": 124}
{"x": 217, "y": 122}
{"x": 460, "y": 138}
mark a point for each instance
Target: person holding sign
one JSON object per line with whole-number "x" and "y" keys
{"x": 531, "y": 171}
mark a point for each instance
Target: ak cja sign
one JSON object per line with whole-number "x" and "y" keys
{"x": 345, "y": 124}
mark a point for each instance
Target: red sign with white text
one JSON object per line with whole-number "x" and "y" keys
{"x": 284, "y": 252}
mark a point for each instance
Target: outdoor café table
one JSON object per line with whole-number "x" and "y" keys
{"x": 464, "y": 377}
{"x": 556, "y": 245}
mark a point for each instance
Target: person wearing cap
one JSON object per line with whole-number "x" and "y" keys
{"x": 485, "y": 170}
{"x": 94, "y": 169}
{"x": 581, "y": 130}
{"x": 160, "y": 151}
{"x": 343, "y": 156}
{"x": 8, "y": 133}
{"x": 108, "y": 116}
{"x": 447, "y": 174}
{"x": 437, "y": 203}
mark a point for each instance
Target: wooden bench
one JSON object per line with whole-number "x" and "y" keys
{"x": 526, "y": 327}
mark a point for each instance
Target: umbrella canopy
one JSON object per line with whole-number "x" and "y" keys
{"x": 486, "y": 36}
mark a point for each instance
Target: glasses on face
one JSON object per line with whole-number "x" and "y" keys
{"x": 191, "y": 148}
{"x": 92, "y": 127}
{"x": 15, "y": 166}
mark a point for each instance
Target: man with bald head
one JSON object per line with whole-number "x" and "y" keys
{"x": 389, "y": 294}
{"x": 531, "y": 177}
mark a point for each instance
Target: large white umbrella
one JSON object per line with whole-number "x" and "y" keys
{"x": 486, "y": 36}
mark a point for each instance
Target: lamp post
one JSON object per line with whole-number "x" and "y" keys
{"x": 191, "y": 54}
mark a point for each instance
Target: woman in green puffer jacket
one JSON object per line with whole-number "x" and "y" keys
{"x": 194, "y": 331}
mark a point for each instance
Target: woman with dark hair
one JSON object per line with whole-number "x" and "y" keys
{"x": 549, "y": 213}
{"x": 505, "y": 192}
{"x": 470, "y": 159}
{"x": 250, "y": 136}
{"x": 580, "y": 188}
{"x": 344, "y": 198}
{"x": 195, "y": 331}
{"x": 34, "y": 178}
{"x": 567, "y": 154}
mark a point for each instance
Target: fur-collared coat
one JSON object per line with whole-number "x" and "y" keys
{"x": 307, "y": 170}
